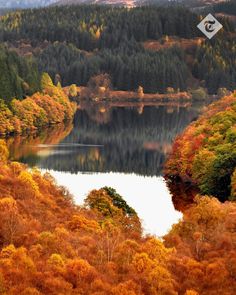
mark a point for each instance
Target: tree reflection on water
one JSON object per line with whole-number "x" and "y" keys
{"x": 115, "y": 137}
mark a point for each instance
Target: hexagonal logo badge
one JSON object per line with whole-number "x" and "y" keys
{"x": 210, "y": 26}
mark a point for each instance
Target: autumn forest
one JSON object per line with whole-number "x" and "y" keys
{"x": 119, "y": 91}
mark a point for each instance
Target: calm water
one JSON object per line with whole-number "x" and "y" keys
{"x": 122, "y": 146}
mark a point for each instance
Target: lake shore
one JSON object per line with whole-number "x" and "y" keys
{"x": 121, "y": 95}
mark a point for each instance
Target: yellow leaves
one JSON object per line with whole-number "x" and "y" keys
{"x": 30, "y": 114}
{"x": 10, "y": 220}
{"x": 203, "y": 163}
{"x": 56, "y": 261}
{"x": 160, "y": 281}
{"x": 215, "y": 139}
{"x": 157, "y": 251}
{"x": 73, "y": 90}
{"x": 17, "y": 258}
{"x": 16, "y": 167}
{"x": 79, "y": 222}
{"x": 41, "y": 109}
{"x": 26, "y": 178}
{"x": 207, "y": 213}
{"x": 47, "y": 239}
{"x": 204, "y": 154}
{"x": 8, "y": 205}
{"x": 151, "y": 264}
{"x": 142, "y": 262}
{"x": 6, "y": 122}
{"x": 191, "y": 292}
{"x": 125, "y": 253}
{"x": 101, "y": 201}
{"x": 4, "y": 153}
{"x": 46, "y": 81}
{"x": 156, "y": 277}
{"x": 21, "y": 259}
{"x": 8, "y": 251}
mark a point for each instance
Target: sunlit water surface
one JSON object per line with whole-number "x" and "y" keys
{"x": 149, "y": 196}
{"x": 123, "y": 147}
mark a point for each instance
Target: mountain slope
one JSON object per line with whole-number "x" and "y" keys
{"x": 25, "y": 3}
{"x": 132, "y": 3}
{"x": 200, "y": 3}
{"x": 128, "y": 3}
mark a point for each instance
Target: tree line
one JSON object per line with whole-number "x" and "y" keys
{"x": 85, "y": 41}
{"x": 90, "y": 27}
{"x": 129, "y": 66}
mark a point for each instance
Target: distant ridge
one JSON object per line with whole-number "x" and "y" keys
{"x": 133, "y": 3}
{"x": 9, "y": 4}
{"x": 127, "y": 3}
{"x": 25, "y": 3}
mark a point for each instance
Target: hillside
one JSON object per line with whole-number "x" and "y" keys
{"x": 49, "y": 246}
{"x": 204, "y": 156}
{"x": 133, "y": 3}
{"x": 127, "y": 3}
{"x": 200, "y": 3}
{"x": 25, "y": 3}
{"x": 19, "y": 76}
{"x": 47, "y": 108}
{"x": 227, "y": 8}
{"x": 94, "y": 40}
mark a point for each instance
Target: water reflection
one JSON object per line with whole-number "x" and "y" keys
{"x": 120, "y": 145}
{"x": 28, "y": 147}
{"x": 149, "y": 196}
{"x": 118, "y": 139}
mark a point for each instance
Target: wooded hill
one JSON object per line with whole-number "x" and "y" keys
{"x": 205, "y": 154}
{"x": 84, "y": 41}
{"x": 49, "y": 246}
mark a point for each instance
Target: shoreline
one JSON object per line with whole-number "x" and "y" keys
{"x": 123, "y": 95}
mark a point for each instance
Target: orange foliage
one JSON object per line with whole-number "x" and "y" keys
{"x": 52, "y": 106}
{"x": 205, "y": 257}
{"x": 49, "y": 246}
{"x": 203, "y": 157}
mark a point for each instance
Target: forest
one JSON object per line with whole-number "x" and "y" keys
{"x": 205, "y": 154}
{"x": 228, "y": 7}
{"x": 84, "y": 41}
{"x": 48, "y": 245}
{"x": 19, "y": 76}
{"x": 49, "y": 107}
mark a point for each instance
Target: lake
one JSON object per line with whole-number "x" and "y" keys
{"x": 120, "y": 145}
